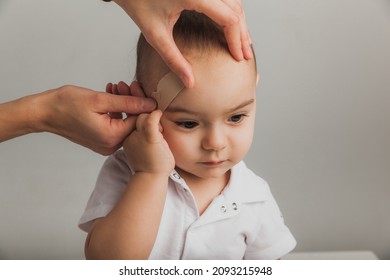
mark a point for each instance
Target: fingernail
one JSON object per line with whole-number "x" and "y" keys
{"x": 239, "y": 56}
{"x": 184, "y": 80}
{"x": 187, "y": 80}
{"x": 249, "y": 52}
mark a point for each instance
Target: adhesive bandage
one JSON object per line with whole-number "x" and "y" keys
{"x": 167, "y": 89}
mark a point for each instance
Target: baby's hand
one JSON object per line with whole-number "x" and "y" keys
{"x": 146, "y": 149}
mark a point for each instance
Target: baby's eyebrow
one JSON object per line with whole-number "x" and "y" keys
{"x": 174, "y": 109}
{"x": 242, "y": 105}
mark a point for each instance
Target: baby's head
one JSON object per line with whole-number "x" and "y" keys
{"x": 197, "y": 37}
{"x": 209, "y": 128}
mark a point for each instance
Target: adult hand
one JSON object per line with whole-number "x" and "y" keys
{"x": 82, "y": 117}
{"x": 78, "y": 114}
{"x": 125, "y": 90}
{"x": 157, "y": 18}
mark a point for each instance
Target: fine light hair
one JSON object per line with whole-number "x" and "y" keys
{"x": 196, "y": 36}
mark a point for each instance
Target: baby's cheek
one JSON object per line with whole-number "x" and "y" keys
{"x": 242, "y": 146}
{"x": 179, "y": 149}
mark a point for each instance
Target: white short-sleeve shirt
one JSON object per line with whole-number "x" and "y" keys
{"x": 243, "y": 222}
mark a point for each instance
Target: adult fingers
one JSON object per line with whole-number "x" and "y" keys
{"x": 115, "y": 89}
{"x": 233, "y": 38}
{"x": 128, "y": 126}
{"x": 244, "y": 42}
{"x": 162, "y": 41}
{"x": 109, "y": 88}
{"x": 136, "y": 90}
{"x": 123, "y": 88}
{"x": 219, "y": 11}
{"x": 128, "y": 104}
{"x": 226, "y": 17}
{"x": 230, "y": 15}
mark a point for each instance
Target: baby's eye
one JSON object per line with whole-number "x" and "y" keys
{"x": 237, "y": 118}
{"x": 187, "y": 124}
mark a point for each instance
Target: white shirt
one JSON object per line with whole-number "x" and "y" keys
{"x": 243, "y": 222}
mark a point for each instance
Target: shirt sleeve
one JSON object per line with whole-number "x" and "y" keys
{"x": 273, "y": 239}
{"x": 110, "y": 185}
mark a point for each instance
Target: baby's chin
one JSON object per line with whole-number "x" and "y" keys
{"x": 205, "y": 172}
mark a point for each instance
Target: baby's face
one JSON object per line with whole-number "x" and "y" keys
{"x": 209, "y": 128}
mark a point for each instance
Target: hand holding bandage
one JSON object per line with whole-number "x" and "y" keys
{"x": 146, "y": 147}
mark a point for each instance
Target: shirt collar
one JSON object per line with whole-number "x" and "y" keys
{"x": 243, "y": 187}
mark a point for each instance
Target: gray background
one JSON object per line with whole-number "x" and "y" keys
{"x": 322, "y": 136}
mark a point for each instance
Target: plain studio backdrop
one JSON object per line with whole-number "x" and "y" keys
{"x": 322, "y": 133}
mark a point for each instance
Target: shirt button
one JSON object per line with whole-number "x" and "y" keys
{"x": 234, "y": 205}
{"x": 223, "y": 209}
{"x": 176, "y": 175}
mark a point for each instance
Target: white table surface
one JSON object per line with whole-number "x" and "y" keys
{"x": 331, "y": 255}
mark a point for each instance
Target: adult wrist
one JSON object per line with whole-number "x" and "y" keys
{"x": 38, "y": 108}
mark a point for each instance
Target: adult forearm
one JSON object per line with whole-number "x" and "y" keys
{"x": 20, "y": 117}
{"x": 78, "y": 114}
{"x": 130, "y": 229}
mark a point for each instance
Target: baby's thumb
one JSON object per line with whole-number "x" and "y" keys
{"x": 152, "y": 127}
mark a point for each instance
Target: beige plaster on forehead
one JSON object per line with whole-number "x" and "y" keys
{"x": 167, "y": 89}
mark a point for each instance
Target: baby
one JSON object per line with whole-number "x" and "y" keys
{"x": 179, "y": 188}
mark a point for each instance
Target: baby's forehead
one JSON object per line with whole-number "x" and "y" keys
{"x": 202, "y": 101}
{"x": 228, "y": 73}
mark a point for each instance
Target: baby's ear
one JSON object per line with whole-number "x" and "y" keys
{"x": 257, "y": 79}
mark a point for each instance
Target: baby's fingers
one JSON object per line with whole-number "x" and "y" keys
{"x": 149, "y": 126}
